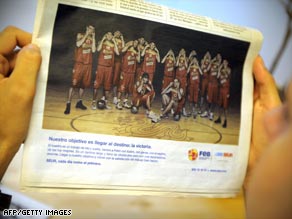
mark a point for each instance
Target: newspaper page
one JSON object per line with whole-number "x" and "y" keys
{"x": 137, "y": 97}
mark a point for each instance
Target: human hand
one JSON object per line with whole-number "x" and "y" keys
{"x": 270, "y": 187}
{"x": 18, "y": 74}
{"x": 266, "y": 98}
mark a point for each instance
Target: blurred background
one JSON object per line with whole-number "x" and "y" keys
{"x": 271, "y": 17}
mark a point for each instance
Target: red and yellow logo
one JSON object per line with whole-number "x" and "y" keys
{"x": 193, "y": 154}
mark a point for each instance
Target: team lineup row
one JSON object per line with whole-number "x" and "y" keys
{"x": 127, "y": 70}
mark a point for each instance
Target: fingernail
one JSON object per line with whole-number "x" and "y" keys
{"x": 32, "y": 47}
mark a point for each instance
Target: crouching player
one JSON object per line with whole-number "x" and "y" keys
{"x": 143, "y": 96}
{"x": 171, "y": 97}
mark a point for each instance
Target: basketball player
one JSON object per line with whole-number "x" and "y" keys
{"x": 143, "y": 96}
{"x": 141, "y": 45}
{"x": 117, "y": 66}
{"x": 107, "y": 49}
{"x": 127, "y": 80}
{"x": 192, "y": 55}
{"x": 224, "y": 91}
{"x": 181, "y": 74}
{"x": 171, "y": 97}
{"x": 169, "y": 68}
{"x": 151, "y": 57}
{"x": 195, "y": 73}
{"x": 205, "y": 67}
{"x": 212, "y": 93}
{"x": 85, "y": 46}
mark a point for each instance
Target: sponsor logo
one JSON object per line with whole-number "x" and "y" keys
{"x": 224, "y": 156}
{"x": 193, "y": 154}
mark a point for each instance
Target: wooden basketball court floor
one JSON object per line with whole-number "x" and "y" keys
{"x": 124, "y": 123}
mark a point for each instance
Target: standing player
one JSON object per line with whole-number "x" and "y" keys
{"x": 107, "y": 49}
{"x": 205, "y": 67}
{"x": 224, "y": 93}
{"x": 143, "y": 96}
{"x": 141, "y": 45}
{"x": 117, "y": 66}
{"x": 212, "y": 93}
{"x": 181, "y": 74}
{"x": 171, "y": 98}
{"x": 195, "y": 73}
{"x": 151, "y": 57}
{"x": 130, "y": 58}
{"x": 169, "y": 70}
{"x": 192, "y": 55}
{"x": 85, "y": 46}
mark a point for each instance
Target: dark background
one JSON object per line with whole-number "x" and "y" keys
{"x": 72, "y": 20}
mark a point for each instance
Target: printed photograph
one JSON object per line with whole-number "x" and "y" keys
{"x": 119, "y": 75}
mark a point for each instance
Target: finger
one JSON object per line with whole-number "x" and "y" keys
{"x": 4, "y": 66}
{"x": 27, "y": 66}
{"x": 265, "y": 83}
{"x": 11, "y": 37}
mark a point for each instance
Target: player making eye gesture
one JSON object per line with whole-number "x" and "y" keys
{"x": 195, "y": 73}
{"x": 151, "y": 57}
{"x": 169, "y": 68}
{"x": 181, "y": 74}
{"x": 81, "y": 75}
{"x": 118, "y": 36}
{"x": 224, "y": 91}
{"x": 171, "y": 97}
{"x": 131, "y": 56}
{"x": 143, "y": 96}
{"x": 205, "y": 67}
{"x": 212, "y": 90}
{"x": 142, "y": 43}
{"x": 107, "y": 49}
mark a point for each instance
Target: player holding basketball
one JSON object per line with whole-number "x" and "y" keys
{"x": 127, "y": 80}
{"x": 195, "y": 73}
{"x": 224, "y": 91}
{"x": 81, "y": 77}
{"x": 118, "y": 62}
{"x": 151, "y": 57}
{"x": 107, "y": 49}
{"x": 143, "y": 96}
{"x": 171, "y": 97}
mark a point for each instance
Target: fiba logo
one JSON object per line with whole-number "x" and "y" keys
{"x": 193, "y": 154}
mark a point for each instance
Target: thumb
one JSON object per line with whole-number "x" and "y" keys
{"x": 27, "y": 65}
